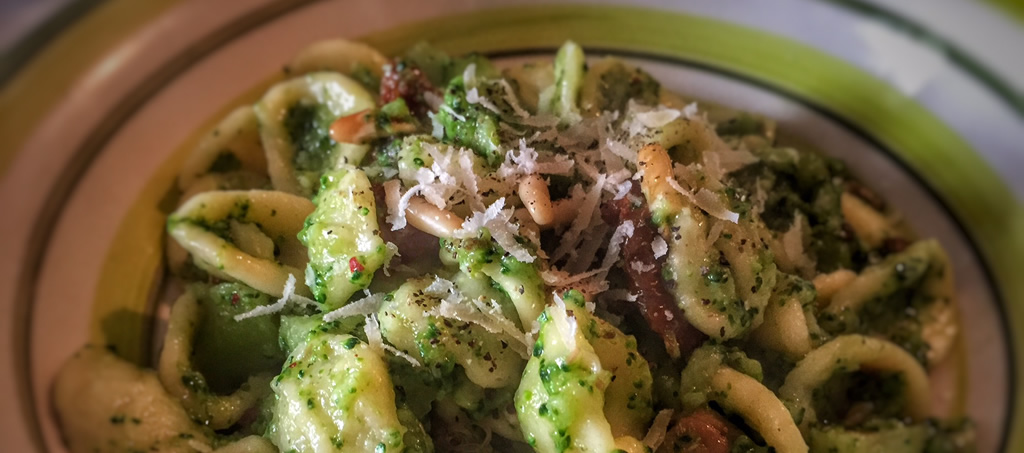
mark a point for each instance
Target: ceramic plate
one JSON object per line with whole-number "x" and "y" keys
{"x": 924, "y": 103}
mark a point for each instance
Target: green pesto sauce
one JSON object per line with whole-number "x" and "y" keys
{"x": 226, "y": 351}
{"x": 477, "y": 128}
{"x": 308, "y": 129}
{"x": 804, "y": 182}
{"x": 619, "y": 84}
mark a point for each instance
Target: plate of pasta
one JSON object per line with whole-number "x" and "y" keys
{"x": 310, "y": 226}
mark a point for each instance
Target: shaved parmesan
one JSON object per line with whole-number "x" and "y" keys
{"x": 510, "y": 97}
{"x": 713, "y": 234}
{"x": 372, "y": 329}
{"x": 690, "y": 110}
{"x": 436, "y": 128}
{"x": 400, "y": 354}
{"x": 564, "y": 325}
{"x": 473, "y": 97}
{"x": 451, "y": 112}
{"x": 561, "y": 279}
{"x": 390, "y": 253}
{"x": 657, "y": 118}
{"x": 583, "y": 256}
{"x": 454, "y": 306}
{"x": 583, "y": 220}
{"x": 617, "y": 295}
{"x": 639, "y": 266}
{"x": 659, "y": 428}
{"x": 469, "y": 75}
{"x": 712, "y": 204}
{"x": 623, "y": 190}
{"x": 622, "y": 232}
{"x": 288, "y": 294}
{"x": 706, "y": 200}
{"x": 362, "y": 307}
{"x": 621, "y": 150}
{"x": 659, "y": 246}
{"x": 731, "y": 160}
{"x": 526, "y": 163}
{"x": 498, "y": 222}
{"x": 793, "y": 244}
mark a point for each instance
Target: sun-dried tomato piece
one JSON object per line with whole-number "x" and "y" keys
{"x": 404, "y": 80}
{"x": 655, "y": 302}
{"x": 703, "y": 431}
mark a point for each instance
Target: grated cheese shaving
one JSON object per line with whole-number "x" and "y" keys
{"x": 659, "y": 428}
{"x": 451, "y": 112}
{"x": 659, "y": 246}
{"x": 706, "y": 200}
{"x": 513, "y": 102}
{"x": 658, "y": 118}
{"x": 732, "y": 160}
{"x": 473, "y": 97}
{"x": 622, "y": 232}
{"x": 373, "y": 338}
{"x": 616, "y": 295}
{"x": 490, "y": 318}
{"x": 712, "y": 204}
{"x": 620, "y": 149}
{"x": 561, "y": 279}
{"x": 713, "y": 171}
{"x": 436, "y": 128}
{"x": 623, "y": 190}
{"x": 401, "y": 354}
{"x": 469, "y": 75}
{"x": 526, "y": 163}
{"x": 571, "y": 238}
{"x": 288, "y": 294}
{"x": 583, "y": 257}
{"x": 793, "y": 244}
{"x": 495, "y": 324}
{"x": 564, "y": 325}
{"x": 391, "y": 251}
{"x": 639, "y": 266}
{"x": 362, "y": 307}
{"x": 498, "y": 222}
{"x": 713, "y": 234}
{"x": 690, "y": 110}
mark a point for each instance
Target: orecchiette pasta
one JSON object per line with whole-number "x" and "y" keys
{"x": 423, "y": 252}
{"x": 233, "y": 145}
{"x": 850, "y": 353}
{"x": 210, "y": 226}
{"x": 182, "y": 381}
{"x": 295, "y": 118}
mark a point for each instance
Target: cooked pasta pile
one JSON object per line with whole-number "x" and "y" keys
{"x": 429, "y": 253}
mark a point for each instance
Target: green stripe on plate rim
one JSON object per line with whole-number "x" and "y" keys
{"x": 930, "y": 38}
{"x": 969, "y": 187}
{"x": 1015, "y": 8}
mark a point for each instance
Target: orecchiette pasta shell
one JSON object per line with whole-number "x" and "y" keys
{"x": 850, "y": 353}
{"x": 101, "y": 399}
{"x": 279, "y": 215}
{"x": 176, "y": 372}
{"x": 236, "y": 137}
{"x": 760, "y": 408}
{"x": 336, "y": 93}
